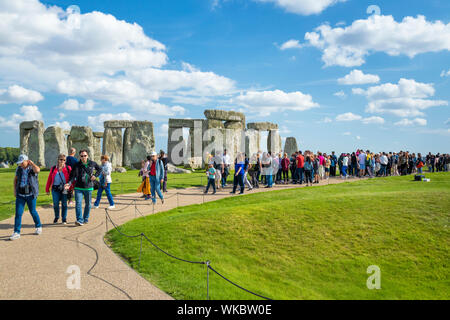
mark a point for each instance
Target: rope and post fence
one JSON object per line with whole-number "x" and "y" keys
{"x": 142, "y": 236}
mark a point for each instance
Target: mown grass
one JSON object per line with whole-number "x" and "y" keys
{"x": 123, "y": 183}
{"x": 309, "y": 243}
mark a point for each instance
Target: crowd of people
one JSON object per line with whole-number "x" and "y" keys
{"x": 72, "y": 178}
{"x": 267, "y": 169}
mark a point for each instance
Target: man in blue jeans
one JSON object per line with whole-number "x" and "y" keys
{"x": 156, "y": 177}
{"x": 83, "y": 177}
{"x": 26, "y": 191}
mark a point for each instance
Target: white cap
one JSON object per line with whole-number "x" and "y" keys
{"x": 153, "y": 153}
{"x": 22, "y": 158}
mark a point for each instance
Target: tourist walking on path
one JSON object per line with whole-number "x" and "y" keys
{"x": 82, "y": 179}
{"x": 300, "y": 161}
{"x": 285, "y": 168}
{"x": 293, "y": 166}
{"x": 333, "y": 164}
{"x": 71, "y": 161}
{"x": 327, "y": 166}
{"x": 165, "y": 161}
{"x": 246, "y": 167}
{"x": 316, "y": 166}
{"x": 57, "y": 179}
{"x": 226, "y": 160}
{"x": 344, "y": 166}
{"x": 26, "y": 191}
{"x": 362, "y": 163}
{"x": 321, "y": 165}
{"x": 239, "y": 174}
{"x": 105, "y": 183}
{"x": 308, "y": 170}
{"x": 211, "y": 174}
{"x": 156, "y": 175}
{"x": 253, "y": 171}
{"x": 145, "y": 185}
{"x": 266, "y": 163}
{"x": 420, "y": 163}
{"x": 218, "y": 165}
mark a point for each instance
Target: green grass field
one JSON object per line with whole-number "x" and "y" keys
{"x": 122, "y": 183}
{"x": 308, "y": 243}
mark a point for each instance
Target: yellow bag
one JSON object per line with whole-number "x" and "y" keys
{"x": 145, "y": 186}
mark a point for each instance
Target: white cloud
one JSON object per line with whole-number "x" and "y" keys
{"x": 291, "y": 44}
{"x": 407, "y": 122}
{"x": 326, "y": 120}
{"x": 18, "y": 94}
{"x": 348, "y": 117}
{"x": 408, "y": 98}
{"x": 74, "y": 105}
{"x": 445, "y": 73}
{"x": 373, "y": 120}
{"x": 347, "y": 134}
{"x": 349, "y": 46}
{"x": 267, "y": 102}
{"x": 65, "y": 125}
{"x": 163, "y": 130}
{"x": 27, "y": 113}
{"x": 96, "y": 122}
{"x": 340, "y": 94}
{"x": 303, "y": 7}
{"x": 358, "y": 77}
{"x": 101, "y": 59}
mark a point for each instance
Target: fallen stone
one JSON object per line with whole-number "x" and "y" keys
{"x": 172, "y": 169}
{"x": 120, "y": 170}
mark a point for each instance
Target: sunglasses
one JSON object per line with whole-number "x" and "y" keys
{"x": 62, "y": 159}
{"x": 84, "y": 156}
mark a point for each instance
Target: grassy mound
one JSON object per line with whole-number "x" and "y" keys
{"x": 309, "y": 243}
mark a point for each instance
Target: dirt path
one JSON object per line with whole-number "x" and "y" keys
{"x": 36, "y": 267}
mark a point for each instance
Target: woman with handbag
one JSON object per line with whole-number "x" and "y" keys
{"x": 105, "y": 183}
{"x": 58, "y": 177}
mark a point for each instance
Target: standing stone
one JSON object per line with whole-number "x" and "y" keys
{"x": 274, "y": 142}
{"x": 290, "y": 146}
{"x": 32, "y": 141}
{"x": 55, "y": 144}
{"x": 113, "y": 145}
{"x": 234, "y": 140}
{"x": 252, "y": 142}
{"x": 82, "y": 137}
{"x": 98, "y": 146}
{"x": 139, "y": 142}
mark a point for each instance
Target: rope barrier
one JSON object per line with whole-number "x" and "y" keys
{"x": 143, "y": 236}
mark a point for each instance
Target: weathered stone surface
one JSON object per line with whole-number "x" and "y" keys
{"x": 32, "y": 141}
{"x": 120, "y": 170}
{"x": 55, "y": 144}
{"x": 4, "y": 165}
{"x": 139, "y": 142}
{"x": 172, "y": 169}
{"x": 176, "y": 146}
{"x": 118, "y": 124}
{"x": 209, "y": 124}
{"x": 274, "y": 142}
{"x": 234, "y": 142}
{"x": 252, "y": 142}
{"x": 225, "y": 115}
{"x": 81, "y": 137}
{"x": 183, "y": 123}
{"x": 290, "y": 146}
{"x": 262, "y": 126}
{"x": 234, "y": 125}
{"x": 113, "y": 145}
{"x": 97, "y": 148}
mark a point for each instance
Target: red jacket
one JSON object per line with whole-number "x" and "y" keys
{"x": 53, "y": 172}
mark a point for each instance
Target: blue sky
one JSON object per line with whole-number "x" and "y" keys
{"x": 329, "y": 73}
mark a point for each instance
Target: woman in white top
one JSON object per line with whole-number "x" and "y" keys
{"x": 344, "y": 166}
{"x": 105, "y": 183}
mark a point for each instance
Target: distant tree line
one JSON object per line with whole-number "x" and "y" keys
{"x": 9, "y": 154}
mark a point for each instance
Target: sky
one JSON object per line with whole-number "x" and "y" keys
{"x": 335, "y": 74}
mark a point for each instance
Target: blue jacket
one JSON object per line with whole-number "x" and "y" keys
{"x": 159, "y": 170}
{"x": 32, "y": 181}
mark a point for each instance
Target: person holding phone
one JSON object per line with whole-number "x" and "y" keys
{"x": 26, "y": 191}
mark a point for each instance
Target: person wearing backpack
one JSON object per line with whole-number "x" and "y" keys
{"x": 307, "y": 167}
{"x": 82, "y": 178}
{"x": 57, "y": 179}
{"x": 26, "y": 191}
